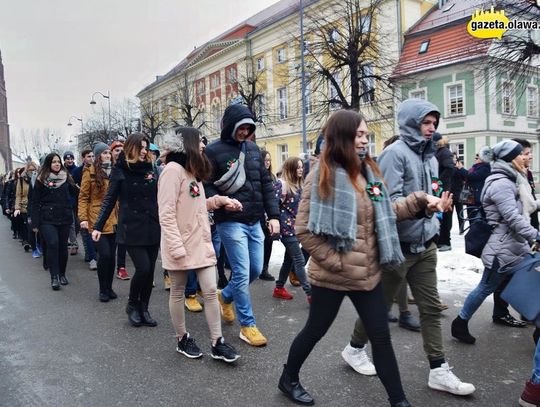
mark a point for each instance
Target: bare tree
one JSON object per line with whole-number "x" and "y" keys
{"x": 153, "y": 121}
{"x": 347, "y": 64}
{"x": 248, "y": 84}
{"x": 126, "y": 118}
{"x": 184, "y": 100}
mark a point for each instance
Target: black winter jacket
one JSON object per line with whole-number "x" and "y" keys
{"x": 257, "y": 194}
{"x": 51, "y": 206}
{"x": 135, "y": 187}
{"x": 446, "y": 167}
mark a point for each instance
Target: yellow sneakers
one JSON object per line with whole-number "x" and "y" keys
{"x": 252, "y": 336}
{"x": 192, "y": 304}
{"x": 227, "y": 311}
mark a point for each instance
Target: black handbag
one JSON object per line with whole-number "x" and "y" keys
{"x": 478, "y": 235}
{"x": 466, "y": 196}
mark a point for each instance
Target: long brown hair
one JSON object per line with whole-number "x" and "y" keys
{"x": 45, "y": 170}
{"x": 339, "y": 150}
{"x": 197, "y": 163}
{"x": 289, "y": 172}
{"x": 132, "y": 148}
{"x": 100, "y": 173}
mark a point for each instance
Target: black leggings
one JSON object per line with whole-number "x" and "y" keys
{"x": 371, "y": 308}
{"x": 106, "y": 248}
{"x": 144, "y": 260}
{"x": 56, "y": 238}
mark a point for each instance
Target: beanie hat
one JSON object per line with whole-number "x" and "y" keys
{"x": 507, "y": 150}
{"x": 69, "y": 154}
{"x": 99, "y": 148}
{"x": 116, "y": 143}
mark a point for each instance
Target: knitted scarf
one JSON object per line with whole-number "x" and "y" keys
{"x": 106, "y": 167}
{"x": 335, "y": 217}
{"x": 54, "y": 181}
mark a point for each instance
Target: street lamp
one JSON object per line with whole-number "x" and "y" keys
{"x": 76, "y": 118}
{"x": 108, "y": 97}
{"x": 303, "y": 78}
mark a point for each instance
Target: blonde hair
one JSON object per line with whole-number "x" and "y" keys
{"x": 289, "y": 175}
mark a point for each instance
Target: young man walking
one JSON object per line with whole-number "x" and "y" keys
{"x": 409, "y": 165}
{"x": 239, "y": 172}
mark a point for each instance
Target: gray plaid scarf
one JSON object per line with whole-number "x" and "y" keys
{"x": 335, "y": 217}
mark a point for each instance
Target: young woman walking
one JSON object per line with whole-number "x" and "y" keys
{"x": 268, "y": 238}
{"x": 186, "y": 242}
{"x": 94, "y": 184}
{"x": 347, "y": 251}
{"x": 133, "y": 183}
{"x": 288, "y": 191}
{"x": 117, "y": 147}
{"x": 52, "y": 215}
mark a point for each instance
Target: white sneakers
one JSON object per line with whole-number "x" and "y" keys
{"x": 358, "y": 359}
{"x": 443, "y": 379}
{"x": 92, "y": 265}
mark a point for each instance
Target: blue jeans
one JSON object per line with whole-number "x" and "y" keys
{"x": 536, "y": 365}
{"x": 487, "y": 286}
{"x": 244, "y": 245}
{"x": 293, "y": 258}
{"x": 191, "y": 283}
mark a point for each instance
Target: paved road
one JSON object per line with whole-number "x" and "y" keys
{"x": 67, "y": 349}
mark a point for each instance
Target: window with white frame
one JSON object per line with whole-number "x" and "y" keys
{"x": 260, "y": 63}
{"x": 282, "y": 103}
{"x": 368, "y": 82}
{"x": 216, "y": 117}
{"x": 333, "y": 93}
{"x": 231, "y": 74}
{"x": 372, "y": 145}
{"x": 364, "y": 23}
{"x": 214, "y": 81}
{"x": 532, "y": 101}
{"x": 333, "y": 36}
{"x": 308, "y": 98}
{"x": 200, "y": 88}
{"x": 281, "y": 55}
{"x": 508, "y": 98}
{"x": 458, "y": 147}
{"x": 310, "y": 145}
{"x": 455, "y": 102}
{"x": 261, "y": 107}
{"x": 418, "y": 94}
{"x": 283, "y": 153}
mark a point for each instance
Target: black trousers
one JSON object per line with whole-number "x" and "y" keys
{"x": 56, "y": 239}
{"x": 106, "y": 248}
{"x": 371, "y": 308}
{"x": 144, "y": 260}
{"x": 121, "y": 256}
{"x": 446, "y": 227}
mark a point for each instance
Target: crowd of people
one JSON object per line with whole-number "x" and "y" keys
{"x": 352, "y": 225}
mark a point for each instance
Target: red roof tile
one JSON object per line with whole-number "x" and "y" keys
{"x": 447, "y": 45}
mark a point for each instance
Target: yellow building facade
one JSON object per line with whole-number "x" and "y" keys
{"x": 260, "y": 58}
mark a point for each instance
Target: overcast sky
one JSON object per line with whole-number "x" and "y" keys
{"x": 56, "y": 53}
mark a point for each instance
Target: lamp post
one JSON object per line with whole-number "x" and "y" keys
{"x": 108, "y": 97}
{"x": 303, "y": 78}
{"x": 76, "y": 118}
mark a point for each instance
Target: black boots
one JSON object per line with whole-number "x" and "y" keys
{"x": 134, "y": 315}
{"x": 266, "y": 276}
{"x": 146, "y": 319}
{"x": 55, "y": 283}
{"x": 294, "y": 390}
{"x": 460, "y": 331}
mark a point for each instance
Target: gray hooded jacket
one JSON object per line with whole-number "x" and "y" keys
{"x": 511, "y": 235}
{"x": 408, "y": 165}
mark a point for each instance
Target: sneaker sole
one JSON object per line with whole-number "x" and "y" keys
{"x": 362, "y": 372}
{"x": 447, "y": 390}
{"x": 193, "y": 310}
{"x": 246, "y": 340}
{"x": 524, "y": 403}
{"x": 123, "y": 278}
{"x": 223, "y": 358}
{"x": 187, "y": 355}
